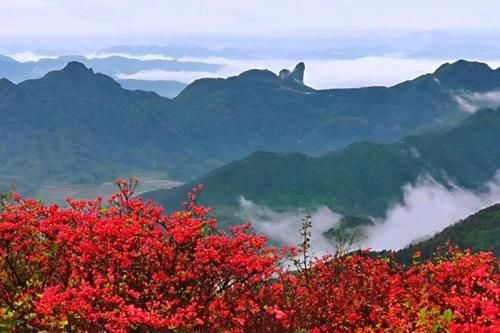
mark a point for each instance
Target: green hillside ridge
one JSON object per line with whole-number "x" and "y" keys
{"x": 78, "y": 126}
{"x": 362, "y": 179}
{"x": 478, "y": 232}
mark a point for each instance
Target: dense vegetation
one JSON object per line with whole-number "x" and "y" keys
{"x": 478, "y": 232}
{"x": 125, "y": 267}
{"x": 77, "y": 126}
{"x": 362, "y": 179}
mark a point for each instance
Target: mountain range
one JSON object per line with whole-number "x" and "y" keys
{"x": 362, "y": 179}
{"x": 76, "y": 125}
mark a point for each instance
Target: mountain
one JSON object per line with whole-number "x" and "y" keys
{"x": 478, "y": 232}
{"x": 76, "y": 125}
{"x": 262, "y": 111}
{"x": 361, "y": 180}
{"x": 112, "y": 65}
{"x": 79, "y": 126}
{"x": 163, "y": 88}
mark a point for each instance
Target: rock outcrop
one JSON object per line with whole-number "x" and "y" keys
{"x": 296, "y": 76}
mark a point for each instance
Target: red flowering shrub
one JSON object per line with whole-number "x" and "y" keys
{"x": 364, "y": 294}
{"x": 127, "y": 267}
{"x": 124, "y": 266}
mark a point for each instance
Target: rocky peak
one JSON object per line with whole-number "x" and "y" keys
{"x": 296, "y": 75}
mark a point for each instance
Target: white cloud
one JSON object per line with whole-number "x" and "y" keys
{"x": 145, "y": 57}
{"x": 284, "y": 227}
{"x": 427, "y": 208}
{"x": 319, "y": 74}
{"x": 367, "y": 71}
{"x": 154, "y": 75}
{"x": 29, "y": 56}
{"x": 473, "y": 101}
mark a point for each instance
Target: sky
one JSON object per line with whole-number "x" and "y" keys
{"x": 256, "y": 18}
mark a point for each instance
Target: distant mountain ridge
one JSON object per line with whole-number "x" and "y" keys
{"x": 77, "y": 125}
{"x": 112, "y": 65}
{"x": 259, "y": 105}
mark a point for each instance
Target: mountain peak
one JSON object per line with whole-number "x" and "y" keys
{"x": 468, "y": 75}
{"x": 296, "y": 75}
{"x": 75, "y": 77}
{"x": 257, "y": 74}
{"x": 75, "y": 67}
{"x": 462, "y": 66}
{"x": 6, "y": 83}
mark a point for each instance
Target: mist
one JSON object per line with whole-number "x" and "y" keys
{"x": 473, "y": 101}
{"x": 427, "y": 208}
{"x": 284, "y": 227}
{"x": 319, "y": 74}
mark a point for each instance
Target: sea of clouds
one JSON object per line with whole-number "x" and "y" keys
{"x": 319, "y": 74}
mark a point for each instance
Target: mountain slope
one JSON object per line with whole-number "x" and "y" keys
{"x": 78, "y": 126}
{"x": 362, "y": 179}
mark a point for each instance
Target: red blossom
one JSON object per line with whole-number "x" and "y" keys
{"x": 123, "y": 265}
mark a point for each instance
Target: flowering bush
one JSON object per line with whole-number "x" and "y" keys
{"x": 124, "y": 266}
